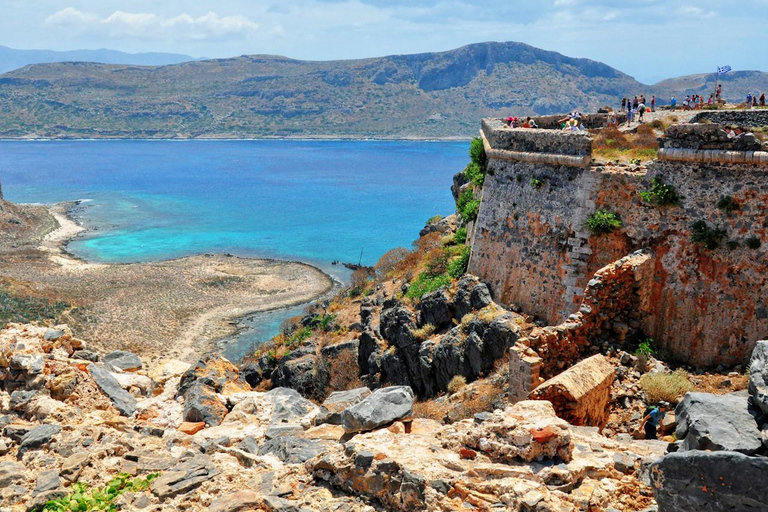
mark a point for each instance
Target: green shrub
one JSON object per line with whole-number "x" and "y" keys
{"x": 537, "y": 183}
{"x": 458, "y": 266}
{"x": 668, "y": 387}
{"x": 298, "y": 337}
{"x": 474, "y": 174}
{"x": 727, "y": 204}
{"x": 646, "y": 348}
{"x": 753, "y": 242}
{"x": 467, "y": 206}
{"x": 661, "y": 194}
{"x": 15, "y": 308}
{"x": 426, "y": 283}
{"x": 461, "y": 236}
{"x": 81, "y": 497}
{"x": 711, "y": 238}
{"x": 434, "y": 220}
{"x": 477, "y": 152}
{"x": 602, "y": 222}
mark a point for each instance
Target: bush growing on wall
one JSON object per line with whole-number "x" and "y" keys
{"x": 711, "y": 238}
{"x": 660, "y": 193}
{"x": 467, "y": 206}
{"x": 602, "y": 222}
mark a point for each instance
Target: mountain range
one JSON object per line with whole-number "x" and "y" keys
{"x": 11, "y": 58}
{"x": 401, "y": 96}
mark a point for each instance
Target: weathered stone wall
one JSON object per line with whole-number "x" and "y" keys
{"x": 745, "y": 118}
{"x": 705, "y": 306}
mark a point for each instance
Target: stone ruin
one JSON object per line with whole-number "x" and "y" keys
{"x": 703, "y": 303}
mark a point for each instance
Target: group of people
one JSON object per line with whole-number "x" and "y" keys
{"x": 571, "y": 122}
{"x": 514, "y": 122}
{"x": 752, "y": 100}
{"x": 636, "y": 108}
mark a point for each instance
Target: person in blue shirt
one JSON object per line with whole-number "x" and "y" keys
{"x": 673, "y": 103}
{"x": 654, "y": 419}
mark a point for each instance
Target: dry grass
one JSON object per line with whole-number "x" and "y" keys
{"x": 612, "y": 144}
{"x": 431, "y": 409}
{"x": 424, "y": 332}
{"x": 490, "y": 313}
{"x": 457, "y": 384}
{"x": 344, "y": 372}
{"x": 668, "y": 387}
{"x": 465, "y": 321}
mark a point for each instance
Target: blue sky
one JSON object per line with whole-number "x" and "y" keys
{"x": 650, "y": 40}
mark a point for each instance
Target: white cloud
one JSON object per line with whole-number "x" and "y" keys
{"x": 146, "y": 25}
{"x": 70, "y": 16}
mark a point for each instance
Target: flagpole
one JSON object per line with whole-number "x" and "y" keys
{"x": 717, "y": 76}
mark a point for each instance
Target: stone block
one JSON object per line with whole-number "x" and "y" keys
{"x": 581, "y": 394}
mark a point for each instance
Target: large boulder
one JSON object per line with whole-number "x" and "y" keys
{"x": 334, "y": 405}
{"x": 289, "y": 409}
{"x": 203, "y": 404}
{"x": 528, "y": 430}
{"x": 700, "y": 481}
{"x": 714, "y": 422}
{"x": 381, "y": 408}
{"x": 758, "y": 376}
{"x": 216, "y": 372}
{"x": 301, "y": 373}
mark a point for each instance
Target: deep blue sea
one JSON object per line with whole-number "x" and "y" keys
{"x": 311, "y": 201}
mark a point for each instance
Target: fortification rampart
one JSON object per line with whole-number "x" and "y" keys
{"x": 703, "y": 305}
{"x": 745, "y": 118}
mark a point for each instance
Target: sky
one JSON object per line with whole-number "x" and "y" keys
{"x": 647, "y": 39}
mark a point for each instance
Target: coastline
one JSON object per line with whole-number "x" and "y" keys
{"x": 162, "y": 294}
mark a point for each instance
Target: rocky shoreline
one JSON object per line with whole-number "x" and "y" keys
{"x": 176, "y": 307}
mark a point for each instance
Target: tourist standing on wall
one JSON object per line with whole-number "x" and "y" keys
{"x": 635, "y": 103}
{"x": 749, "y": 100}
{"x": 623, "y": 104}
{"x": 653, "y": 103}
{"x": 762, "y": 100}
{"x": 673, "y": 103}
{"x": 719, "y": 91}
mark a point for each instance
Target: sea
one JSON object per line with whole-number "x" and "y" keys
{"x": 314, "y": 201}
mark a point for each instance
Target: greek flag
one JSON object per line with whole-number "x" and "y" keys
{"x": 721, "y": 70}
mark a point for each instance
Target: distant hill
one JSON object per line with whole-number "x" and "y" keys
{"x": 736, "y": 85}
{"x": 11, "y": 59}
{"x": 424, "y": 95}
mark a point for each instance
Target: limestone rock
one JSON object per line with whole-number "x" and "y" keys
{"x": 529, "y": 430}
{"x": 294, "y": 450}
{"x": 38, "y": 437}
{"x": 289, "y": 410}
{"x": 382, "y": 407}
{"x": 73, "y": 465}
{"x": 214, "y": 371}
{"x": 581, "y": 394}
{"x": 163, "y": 371}
{"x": 235, "y": 502}
{"x": 715, "y": 422}
{"x": 720, "y": 481}
{"x": 334, "y": 405}
{"x": 184, "y": 476}
{"x": 123, "y": 360}
{"x": 121, "y": 399}
{"x": 758, "y": 375}
{"x": 202, "y": 404}
{"x": 11, "y": 472}
{"x": 47, "y": 481}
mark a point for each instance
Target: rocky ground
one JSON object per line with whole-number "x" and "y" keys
{"x": 171, "y": 308}
{"x": 71, "y": 415}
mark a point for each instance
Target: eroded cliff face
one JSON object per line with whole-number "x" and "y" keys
{"x": 704, "y": 305}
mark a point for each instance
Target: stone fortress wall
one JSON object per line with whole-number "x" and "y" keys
{"x": 704, "y": 306}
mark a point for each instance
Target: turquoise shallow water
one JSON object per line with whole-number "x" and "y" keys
{"x": 312, "y": 201}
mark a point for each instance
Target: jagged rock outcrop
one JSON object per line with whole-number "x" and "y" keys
{"x": 380, "y": 408}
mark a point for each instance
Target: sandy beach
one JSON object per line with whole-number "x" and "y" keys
{"x": 176, "y": 308}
